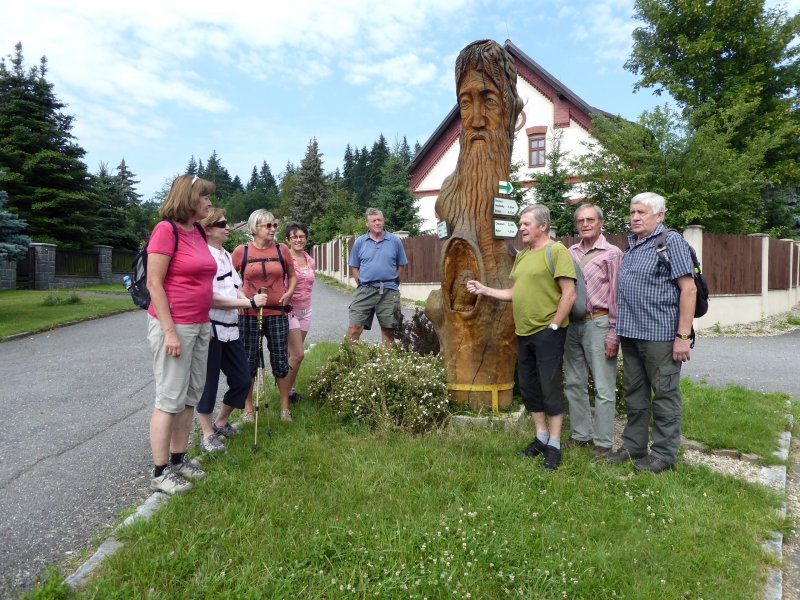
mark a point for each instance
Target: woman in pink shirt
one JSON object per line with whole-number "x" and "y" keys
{"x": 300, "y": 317}
{"x": 180, "y": 272}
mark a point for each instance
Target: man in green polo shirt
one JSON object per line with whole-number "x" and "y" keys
{"x": 541, "y": 302}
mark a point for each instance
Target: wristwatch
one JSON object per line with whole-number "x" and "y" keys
{"x": 684, "y": 336}
{"x": 253, "y": 302}
{"x": 554, "y": 326}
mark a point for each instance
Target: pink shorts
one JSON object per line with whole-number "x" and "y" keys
{"x": 300, "y": 318}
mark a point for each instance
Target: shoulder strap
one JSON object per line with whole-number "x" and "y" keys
{"x": 244, "y": 261}
{"x": 175, "y": 232}
{"x": 549, "y": 254}
{"x": 661, "y": 247}
{"x": 202, "y": 231}
{"x": 280, "y": 257}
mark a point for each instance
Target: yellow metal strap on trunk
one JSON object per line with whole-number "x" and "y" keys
{"x": 493, "y": 387}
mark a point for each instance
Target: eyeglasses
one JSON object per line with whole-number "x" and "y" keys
{"x": 269, "y": 225}
{"x": 220, "y": 224}
{"x": 298, "y": 238}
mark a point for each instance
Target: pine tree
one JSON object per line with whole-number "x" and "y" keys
{"x": 255, "y": 182}
{"x": 268, "y": 183}
{"x": 191, "y": 168}
{"x": 395, "y": 199}
{"x": 404, "y": 151}
{"x": 112, "y": 226}
{"x": 13, "y": 243}
{"x": 311, "y": 190}
{"x": 47, "y": 183}
{"x": 287, "y": 187}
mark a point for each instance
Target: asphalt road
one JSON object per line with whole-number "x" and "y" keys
{"x": 767, "y": 364}
{"x": 75, "y": 451}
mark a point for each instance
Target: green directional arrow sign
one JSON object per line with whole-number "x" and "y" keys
{"x": 505, "y": 187}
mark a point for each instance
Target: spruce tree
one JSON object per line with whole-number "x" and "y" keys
{"x": 311, "y": 189}
{"x": 191, "y": 168}
{"x": 13, "y": 242}
{"x": 47, "y": 183}
{"x": 395, "y": 199}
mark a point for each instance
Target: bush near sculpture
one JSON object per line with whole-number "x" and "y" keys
{"x": 384, "y": 387}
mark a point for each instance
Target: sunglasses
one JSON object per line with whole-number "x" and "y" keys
{"x": 220, "y": 224}
{"x": 269, "y": 225}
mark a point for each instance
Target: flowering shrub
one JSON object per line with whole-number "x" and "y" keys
{"x": 384, "y": 386}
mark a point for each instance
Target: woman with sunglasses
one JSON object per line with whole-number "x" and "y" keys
{"x": 226, "y": 351}
{"x": 266, "y": 267}
{"x": 180, "y": 271}
{"x": 300, "y": 317}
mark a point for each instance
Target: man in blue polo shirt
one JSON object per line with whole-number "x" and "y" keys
{"x": 654, "y": 322}
{"x": 377, "y": 262}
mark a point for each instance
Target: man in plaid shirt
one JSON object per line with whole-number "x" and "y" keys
{"x": 593, "y": 345}
{"x": 656, "y": 300}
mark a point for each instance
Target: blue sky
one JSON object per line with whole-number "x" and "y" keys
{"x": 157, "y": 82}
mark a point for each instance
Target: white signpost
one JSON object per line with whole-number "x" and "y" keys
{"x": 505, "y": 229}
{"x": 441, "y": 229}
{"x": 504, "y": 207}
{"x": 504, "y": 187}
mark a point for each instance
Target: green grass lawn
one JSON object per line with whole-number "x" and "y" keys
{"x": 331, "y": 510}
{"x": 25, "y": 311}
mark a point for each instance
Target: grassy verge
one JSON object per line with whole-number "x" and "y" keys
{"x": 24, "y": 311}
{"x": 734, "y": 417}
{"x": 325, "y": 510}
{"x": 104, "y": 288}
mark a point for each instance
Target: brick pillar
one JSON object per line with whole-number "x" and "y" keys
{"x": 104, "y": 263}
{"x": 44, "y": 274}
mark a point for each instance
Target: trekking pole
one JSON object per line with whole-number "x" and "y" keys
{"x": 259, "y": 374}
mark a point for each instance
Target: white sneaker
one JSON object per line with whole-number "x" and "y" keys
{"x": 169, "y": 483}
{"x": 212, "y": 444}
{"x": 188, "y": 470}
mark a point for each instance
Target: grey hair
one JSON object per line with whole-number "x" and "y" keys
{"x": 597, "y": 209}
{"x": 257, "y": 217}
{"x": 371, "y": 212}
{"x": 656, "y": 203}
{"x": 539, "y": 212}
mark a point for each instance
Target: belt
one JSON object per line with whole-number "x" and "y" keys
{"x": 593, "y": 315}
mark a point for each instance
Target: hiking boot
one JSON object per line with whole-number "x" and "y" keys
{"x": 652, "y": 464}
{"x": 600, "y": 453}
{"x": 169, "y": 483}
{"x": 573, "y": 443}
{"x": 226, "y": 431}
{"x": 286, "y": 416}
{"x": 248, "y": 417}
{"x": 212, "y": 444}
{"x": 552, "y": 458}
{"x": 532, "y": 450}
{"x": 295, "y": 397}
{"x": 188, "y": 470}
{"x": 623, "y": 454}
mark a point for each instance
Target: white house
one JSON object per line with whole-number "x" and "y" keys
{"x": 548, "y": 106}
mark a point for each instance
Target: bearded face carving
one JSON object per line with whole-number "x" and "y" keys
{"x": 477, "y": 336}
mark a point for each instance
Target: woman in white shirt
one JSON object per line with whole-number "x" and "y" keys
{"x": 226, "y": 351}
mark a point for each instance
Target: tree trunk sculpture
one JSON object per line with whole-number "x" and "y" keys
{"x": 477, "y": 333}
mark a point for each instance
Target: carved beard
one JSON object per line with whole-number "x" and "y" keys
{"x": 482, "y": 163}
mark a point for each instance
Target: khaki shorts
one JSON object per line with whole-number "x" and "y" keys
{"x": 179, "y": 381}
{"x": 368, "y": 302}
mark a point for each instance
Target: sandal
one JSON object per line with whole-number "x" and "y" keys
{"x": 286, "y": 416}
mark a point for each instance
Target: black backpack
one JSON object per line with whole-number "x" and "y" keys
{"x": 701, "y": 304}
{"x": 138, "y": 288}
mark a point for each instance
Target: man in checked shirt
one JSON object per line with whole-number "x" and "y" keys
{"x": 593, "y": 344}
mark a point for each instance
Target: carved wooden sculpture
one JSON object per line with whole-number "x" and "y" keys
{"x": 477, "y": 333}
